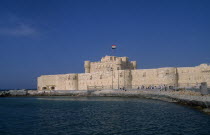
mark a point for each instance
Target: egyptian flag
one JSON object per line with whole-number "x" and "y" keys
{"x": 114, "y": 46}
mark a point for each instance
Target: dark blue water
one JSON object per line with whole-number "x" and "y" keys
{"x": 99, "y": 116}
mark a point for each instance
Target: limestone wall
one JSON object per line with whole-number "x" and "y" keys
{"x": 58, "y": 82}
{"x": 191, "y": 76}
{"x": 160, "y": 76}
{"x": 108, "y": 80}
{"x": 61, "y": 82}
{"x": 109, "y": 63}
{"x": 94, "y": 79}
{"x": 72, "y": 82}
{"x": 118, "y": 72}
{"x": 46, "y": 82}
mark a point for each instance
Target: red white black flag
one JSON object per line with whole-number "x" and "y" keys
{"x": 114, "y": 46}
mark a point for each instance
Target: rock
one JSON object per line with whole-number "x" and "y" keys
{"x": 206, "y": 110}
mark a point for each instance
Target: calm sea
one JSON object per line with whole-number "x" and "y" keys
{"x": 99, "y": 116}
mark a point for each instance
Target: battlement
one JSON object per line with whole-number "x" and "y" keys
{"x": 113, "y": 72}
{"x": 110, "y": 63}
{"x": 113, "y": 59}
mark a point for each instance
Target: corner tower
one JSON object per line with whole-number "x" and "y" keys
{"x": 87, "y": 66}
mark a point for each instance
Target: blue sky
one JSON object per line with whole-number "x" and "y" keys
{"x": 39, "y": 37}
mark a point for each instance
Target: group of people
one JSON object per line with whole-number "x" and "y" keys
{"x": 143, "y": 87}
{"x": 161, "y": 87}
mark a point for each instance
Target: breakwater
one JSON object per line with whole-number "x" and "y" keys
{"x": 186, "y": 97}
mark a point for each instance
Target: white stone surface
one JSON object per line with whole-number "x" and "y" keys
{"x": 117, "y": 72}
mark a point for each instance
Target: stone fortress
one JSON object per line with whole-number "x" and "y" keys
{"x": 118, "y": 72}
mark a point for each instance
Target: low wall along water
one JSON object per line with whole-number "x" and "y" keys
{"x": 199, "y": 97}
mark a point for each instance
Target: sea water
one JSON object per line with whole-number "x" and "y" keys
{"x": 98, "y": 116}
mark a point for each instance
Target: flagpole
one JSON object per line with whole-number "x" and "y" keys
{"x": 113, "y": 48}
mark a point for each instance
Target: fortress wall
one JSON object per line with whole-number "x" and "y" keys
{"x": 58, "y": 82}
{"x": 206, "y": 78}
{"x": 46, "y": 81}
{"x": 108, "y": 80}
{"x": 116, "y": 79}
{"x": 191, "y": 76}
{"x": 61, "y": 82}
{"x": 82, "y": 81}
{"x": 160, "y": 76}
{"x": 95, "y": 79}
{"x": 205, "y": 73}
{"x": 71, "y": 82}
{"x": 188, "y": 76}
{"x": 183, "y": 77}
{"x": 122, "y": 79}
{"x": 100, "y": 66}
{"x": 168, "y": 76}
{"x": 144, "y": 77}
{"x": 118, "y": 72}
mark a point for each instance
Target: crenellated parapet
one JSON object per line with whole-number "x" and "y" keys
{"x": 109, "y": 63}
{"x": 118, "y": 72}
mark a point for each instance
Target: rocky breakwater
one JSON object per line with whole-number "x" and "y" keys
{"x": 15, "y": 93}
{"x": 187, "y": 97}
{"x": 8, "y": 93}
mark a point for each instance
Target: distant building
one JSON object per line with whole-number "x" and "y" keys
{"x": 118, "y": 72}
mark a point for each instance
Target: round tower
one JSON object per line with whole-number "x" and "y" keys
{"x": 134, "y": 64}
{"x": 87, "y": 66}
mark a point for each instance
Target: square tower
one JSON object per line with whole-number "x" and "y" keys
{"x": 110, "y": 63}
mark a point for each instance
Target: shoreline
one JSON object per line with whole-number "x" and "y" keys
{"x": 184, "y": 97}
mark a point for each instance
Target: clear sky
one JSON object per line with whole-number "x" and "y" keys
{"x": 39, "y": 37}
